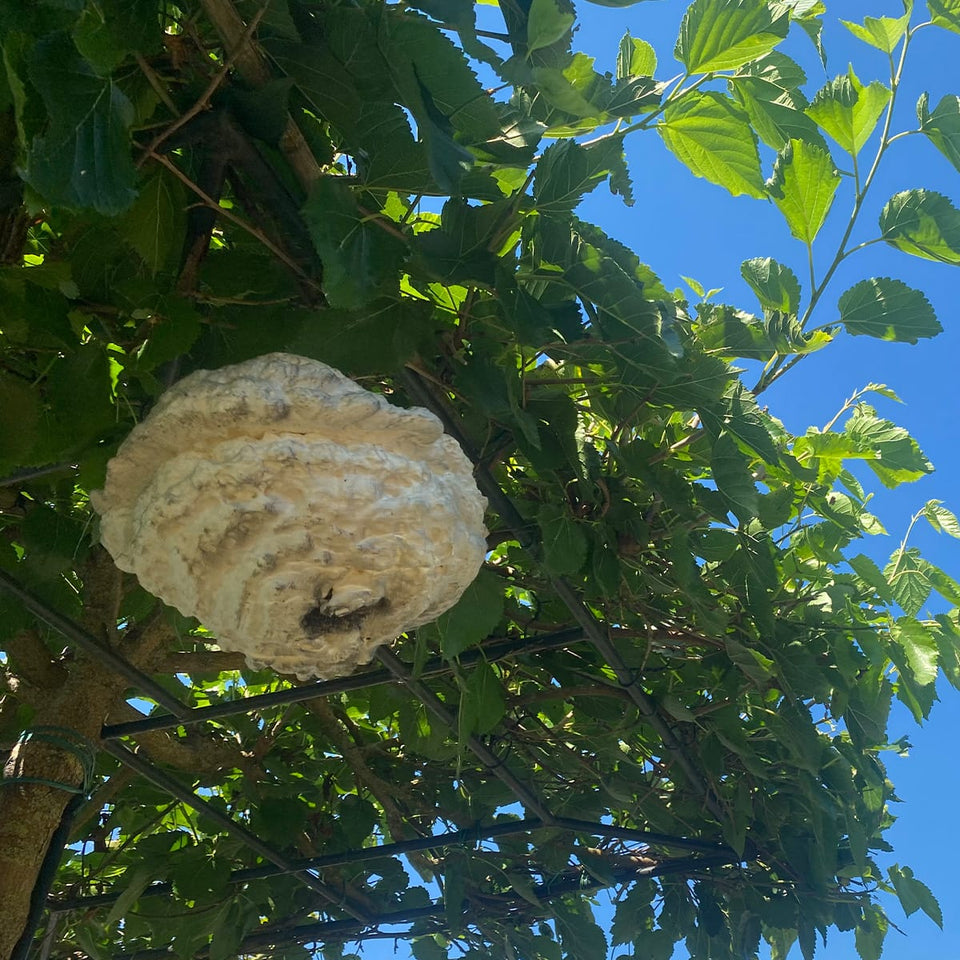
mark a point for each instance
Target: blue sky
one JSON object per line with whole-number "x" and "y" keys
{"x": 684, "y": 226}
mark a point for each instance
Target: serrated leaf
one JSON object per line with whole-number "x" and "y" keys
{"x": 942, "y": 127}
{"x": 871, "y": 574}
{"x": 83, "y": 157}
{"x": 154, "y": 225}
{"x": 566, "y": 171}
{"x": 777, "y": 112}
{"x": 482, "y": 701}
{"x": 731, "y": 473}
{"x": 546, "y": 24}
{"x": 803, "y": 185}
{"x": 884, "y": 33}
{"x": 564, "y": 542}
{"x": 725, "y": 34}
{"x": 360, "y": 259}
{"x": 908, "y": 582}
{"x": 870, "y": 933}
{"x": 945, "y": 13}
{"x": 924, "y": 223}
{"x": 473, "y": 617}
{"x": 890, "y": 450}
{"x": 635, "y": 58}
{"x": 848, "y": 111}
{"x": 775, "y": 285}
{"x": 889, "y": 310}
{"x": 920, "y": 647}
{"x": 941, "y": 519}
{"x": 709, "y": 134}
{"x": 914, "y": 895}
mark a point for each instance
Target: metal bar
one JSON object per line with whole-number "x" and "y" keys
{"x": 487, "y": 757}
{"x": 436, "y": 666}
{"x": 73, "y": 632}
{"x": 448, "y": 839}
{"x": 347, "y": 930}
{"x": 175, "y": 789}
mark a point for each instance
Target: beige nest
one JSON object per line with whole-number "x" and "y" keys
{"x": 302, "y": 519}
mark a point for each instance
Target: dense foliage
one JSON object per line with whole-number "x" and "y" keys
{"x": 676, "y": 630}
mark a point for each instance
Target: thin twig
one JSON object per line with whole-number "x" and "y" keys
{"x": 203, "y": 102}
{"x": 255, "y": 232}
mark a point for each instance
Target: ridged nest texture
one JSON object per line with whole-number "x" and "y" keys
{"x": 302, "y": 519}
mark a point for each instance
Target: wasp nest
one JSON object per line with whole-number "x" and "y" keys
{"x": 302, "y": 519}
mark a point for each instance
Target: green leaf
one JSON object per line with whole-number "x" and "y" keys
{"x": 564, "y": 542}
{"x": 803, "y": 185}
{"x": 19, "y": 416}
{"x": 768, "y": 90}
{"x": 473, "y": 617}
{"x": 889, "y": 310}
{"x": 635, "y": 58}
{"x": 848, "y": 111}
{"x": 884, "y": 33}
{"x": 893, "y": 454}
{"x": 82, "y": 159}
{"x": 776, "y": 286}
{"x": 546, "y": 24}
{"x": 360, "y": 258}
{"x": 945, "y": 13}
{"x": 871, "y": 574}
{"x": 154, "y": 226}
{"x": 709, "y": 134}
{"x": 135, "y": 881}
{"x": 110, "y": 29}
{"x": 941, "y": 519}
{"x": 908, "y": 581}
{"x": 920, "y": 647}
{"x": 483, "y": 701}
{"x": 567, "y": 171}
{"x": 942, "y": 127}
{"x": 923, "y": 223}
{"x": 870, "y": 933}
{"x": 914, "y": 895}
{"x": 731, "y": 473}
{"x": 725, "y": 34}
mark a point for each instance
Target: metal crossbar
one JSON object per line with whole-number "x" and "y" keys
{"x": 436, "y": 666}
{"x": 433, "y": 842}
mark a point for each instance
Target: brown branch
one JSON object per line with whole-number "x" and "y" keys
{"x": 255, "y": 232}
{"x": 32, "y": 662}
{"x": 253, "y": 67}
{"x": 158, "y": 88}
{"x": 203, "y": 101}
{"x": 199, "y": 661}
{"x": 195, "y": 754}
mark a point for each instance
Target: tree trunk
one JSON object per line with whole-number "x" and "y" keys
{"x": 31, "y": 812}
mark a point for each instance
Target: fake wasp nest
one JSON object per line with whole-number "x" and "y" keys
{"x": 302, "y": 519}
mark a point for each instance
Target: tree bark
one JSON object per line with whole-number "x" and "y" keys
{"x": 31, "y": 812}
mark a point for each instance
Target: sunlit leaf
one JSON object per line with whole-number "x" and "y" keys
{"x": 942, "y": 126}
{"x": 724, "y": 34}
{"x": 546, "y": 24}
{"x": 848, "y": 111}
{"x": 713, "y": 138}
{"x": 635, "y": 58}
{"x": 884, "y": 33}
{"x": 888, "y": 309}
{"x": 923, "y": 223}
{"x": 803, "y": 185}
{"x": 775, "y": 285}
